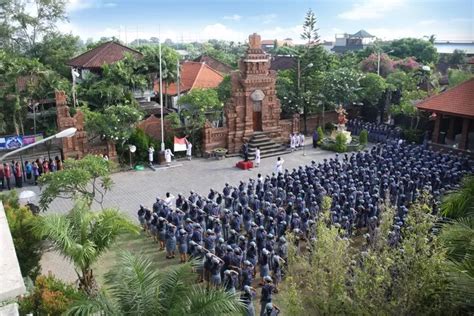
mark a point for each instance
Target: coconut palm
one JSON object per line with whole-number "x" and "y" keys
{"x": 136, "y": 287}
{"x": 458, "y": 237}
{"x": 82, "y": 236}
{"x": 460, "y": 203}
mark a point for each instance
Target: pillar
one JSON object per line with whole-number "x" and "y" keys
{"x": 450, "y": 135}
{"x": 464, "y": 134}
{"x": 437, "y": 126}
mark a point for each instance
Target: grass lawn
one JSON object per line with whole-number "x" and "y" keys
{"x": 137, "y": 244}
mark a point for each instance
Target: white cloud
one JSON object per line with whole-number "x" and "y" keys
{"x": 220, "y": 31}
{"x": 444, "y": 32}
{"x": 371, "y": 9}
{"x": 234, "y": 17}
{"x": 78, "y": 5}
{"x": 427, "y": 22}
{"x": 265, "y": 18}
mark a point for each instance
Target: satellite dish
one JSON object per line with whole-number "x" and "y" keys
{"x": 132, "y": 148}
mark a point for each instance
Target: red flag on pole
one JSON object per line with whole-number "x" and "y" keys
{"x": 180, "y": 144}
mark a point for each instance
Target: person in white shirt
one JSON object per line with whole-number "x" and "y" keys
{"x": 292, "y": 142}
{"x": 279, "y": 165}
{"x": 301, "y": 139}
{"x": 189, "y": 148}
{"x": 168, "y": 155}
{"x": 169, "y": 199}
{"x": 296, "y": 140}
{"x": 151, "y": 150}
{"x": 257, "y": 157}
{"x": 260, "y": 178}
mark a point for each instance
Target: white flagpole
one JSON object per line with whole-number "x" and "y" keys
{"x": 161, "y": 102}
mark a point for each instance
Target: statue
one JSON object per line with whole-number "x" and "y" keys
{"x": 341, "y": 124}
{"x": 341, "y": 118}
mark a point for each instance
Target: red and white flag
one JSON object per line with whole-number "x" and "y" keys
{"x": 180, "y": 144}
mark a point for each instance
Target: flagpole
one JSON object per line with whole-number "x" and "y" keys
{"x": 161, "y": 101}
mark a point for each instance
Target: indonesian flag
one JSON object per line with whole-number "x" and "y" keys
{"x": 180, "y": 144}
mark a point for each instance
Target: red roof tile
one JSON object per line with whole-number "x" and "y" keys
{"x": 471, "y": 61}
{"x": 267, "y": 42}
{"x": 215, "y": 64}
{"x": 457, "y": 101}
{"x": 106, "y": 53}
{"x": 193, "y": 75}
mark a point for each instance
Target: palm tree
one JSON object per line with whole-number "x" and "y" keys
{"x": 458, "y": 237}
{"x": 460, "y": 203}
{"x": 136, "y": 287}
{"x": 82, "y": 236}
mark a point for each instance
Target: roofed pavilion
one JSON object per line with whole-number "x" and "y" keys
{"x": 453, "y": 113}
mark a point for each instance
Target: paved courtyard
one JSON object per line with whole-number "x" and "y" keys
{"x": 134, "y": 187}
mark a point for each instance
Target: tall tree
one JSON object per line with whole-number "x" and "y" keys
{"x": 87, "y": 179}
{"x": 28, "y": 21}
{"x": 82, "y": 236}
{"x": 424, "y": 51}
{"x": 310, "y": 32}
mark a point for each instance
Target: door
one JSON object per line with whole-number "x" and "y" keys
{"x": 257, "y": 116}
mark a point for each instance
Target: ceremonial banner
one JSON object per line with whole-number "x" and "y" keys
{"x": 17, "y": 141}
{"x": 180, "y": 144}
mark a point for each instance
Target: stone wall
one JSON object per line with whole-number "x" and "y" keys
{"x": 152, "y": 127}
{"x": 316, "y": 120}
{"x": 214, "y": 137}
{"x": 78, "y": 146}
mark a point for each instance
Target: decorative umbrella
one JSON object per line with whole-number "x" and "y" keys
{"x": 27, "y": 194}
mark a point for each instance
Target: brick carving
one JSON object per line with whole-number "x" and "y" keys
{"x": 78, "y": 145}
{"x": 253, "y": 105}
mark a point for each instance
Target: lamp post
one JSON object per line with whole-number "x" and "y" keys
{"x": 299, "y": 89}
{"x": 379, "y": 53}
{"x": 62, "y": 134}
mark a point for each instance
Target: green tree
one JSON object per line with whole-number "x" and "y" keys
{"x": 341, "y": 86}
{"x": 56, "y": 49}
{"x": 310, "y": 32}
{"x": 458, "y": 57}
{"x": 458, "y": 236}
{"x": 456, "y": 77}
{"x": 136, "y": 287}
{"x": 424, "y": 51}
{"x": 197, "y": 106}
{"x": 286, "y": 91}
{"x": 27, "y": 245}
{"x": 26, "y": 22}
{"x": 116, "y": 123}
{"x": 87, "y": 178}
{"x": 82, "y": 236}
{"x": 373, "y": 89}
{"x": 224, "y": 89}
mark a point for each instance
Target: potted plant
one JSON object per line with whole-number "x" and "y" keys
{"x": 220, "y": 153}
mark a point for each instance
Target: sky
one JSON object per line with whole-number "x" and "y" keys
{"x": 234, "y": 20}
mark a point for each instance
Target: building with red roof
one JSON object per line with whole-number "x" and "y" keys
{"x": 221, "y": 67}
{"x": 453, "y": 113}
{"x": 193, "y": 75}
{"x": 104, "y": 54}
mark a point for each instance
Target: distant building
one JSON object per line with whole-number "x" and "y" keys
{"x": 353, "y": 42}
{"x": 193, "y": 75}
{"x": 268, "y": 45}
{"x": 283, "y": 62}
{"x": 104, "y": 54}
{"x": 215, "y": 64}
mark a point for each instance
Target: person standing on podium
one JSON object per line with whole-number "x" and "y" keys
{"x": 245, "y": 151}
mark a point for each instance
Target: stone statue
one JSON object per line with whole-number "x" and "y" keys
{"x": 341, "y": 118}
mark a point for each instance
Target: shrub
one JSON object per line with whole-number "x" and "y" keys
{"x": 329, "y": 127}
{"x": 141, "y": 141}
{"x": 27, "y": 245}
{"x": 340, "y": 146}
{"x": 363, "y": 137}
{"x": 50, "y": 296}
{"x": 321, "y": 135}
{"x": 413, "y": 135}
